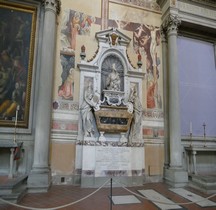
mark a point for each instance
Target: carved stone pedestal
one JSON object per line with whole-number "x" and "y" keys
{"x": 105, "y": 160}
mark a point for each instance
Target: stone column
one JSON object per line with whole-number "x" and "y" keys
{"x": 175, "y": 175}
{"x": 39, "y": 179}
{"x": 173, "y": 81}
{"x": 165, "y": 97}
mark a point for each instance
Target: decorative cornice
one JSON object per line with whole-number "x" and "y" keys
{"x": 151, "y": 5}
{"x": 204, "y": 2}
{"x": 210, "y": 3}
{"x": 53, "y": 5}
{"x": 110, "y": 143}
{"x": 198, "y": 11}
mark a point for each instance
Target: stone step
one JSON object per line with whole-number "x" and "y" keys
{"x": 204, "y": 183}
{"x": 13, "y": 189}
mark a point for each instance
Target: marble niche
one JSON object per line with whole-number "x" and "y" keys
{"x": 110, "y": 142}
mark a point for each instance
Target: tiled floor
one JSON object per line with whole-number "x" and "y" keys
{"x": 61, "y": 195}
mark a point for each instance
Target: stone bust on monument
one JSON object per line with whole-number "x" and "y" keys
{"x": 113, "y": 80}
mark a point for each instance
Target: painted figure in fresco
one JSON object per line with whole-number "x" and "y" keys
{"x": 87, "y": 111}
{"x": 153, "y": 36}
{"x": 146, "y": 39}
{"x": 136, "y": 124}
{"x": 142, "y": 39}
{"x": 86, "y": 22}
{"x": 67, "y": 86}
{"x": 80, "y": 23}
{"x": 66, "y": 90}
{"x": 113, "y": 80}
{"x": 153, "y": 96}
{"x": 65, "y": 32}
{"x": 75, "y": 27}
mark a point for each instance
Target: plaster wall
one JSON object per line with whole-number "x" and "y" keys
{"x": 154, "y": 159}
{"x": 197, "y": 87}
{"x": 62, "y": 162}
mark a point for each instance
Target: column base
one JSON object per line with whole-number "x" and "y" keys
{"x": 39, "y": 181}
{"x": 176, "y": 177}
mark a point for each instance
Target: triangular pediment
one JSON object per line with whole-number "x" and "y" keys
{"x": 113, "y": 36}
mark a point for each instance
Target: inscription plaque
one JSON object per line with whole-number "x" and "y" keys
{"x": 112, "y": 159}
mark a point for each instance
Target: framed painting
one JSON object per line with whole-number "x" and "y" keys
{"x": 17, "y": 37}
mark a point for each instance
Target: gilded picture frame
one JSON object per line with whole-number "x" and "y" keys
{"x": 17, "y": 37}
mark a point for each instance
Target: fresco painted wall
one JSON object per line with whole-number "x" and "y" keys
{"x": 197, "y": 72}
{"x": 78, "y": 27}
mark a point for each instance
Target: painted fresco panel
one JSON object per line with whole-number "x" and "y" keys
{"x": 92, "y": 7}
{"x": 143, "y": 27}
{"x": 77, "y": 31}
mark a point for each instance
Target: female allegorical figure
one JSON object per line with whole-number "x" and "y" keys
{"x": 87, "y": 111}
{"x": 136, "y": 124}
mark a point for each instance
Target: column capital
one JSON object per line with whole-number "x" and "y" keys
{"x": 54, "y": 5}
{"x": 171, "y": 23}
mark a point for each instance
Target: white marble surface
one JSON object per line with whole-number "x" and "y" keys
{"x": 199, "y": 200}
{"x": 88, "y": 158}
{"x": 112, "y": 158}
{"x": 125, "y": 199}
{"x": 163, "y": 202}
{"x": 102, "y": 159}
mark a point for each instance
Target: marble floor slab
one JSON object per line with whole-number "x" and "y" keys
{"x": 163, "y": 204}
{"x": 193, "y": 197}
{"x": 125, "y": 199}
